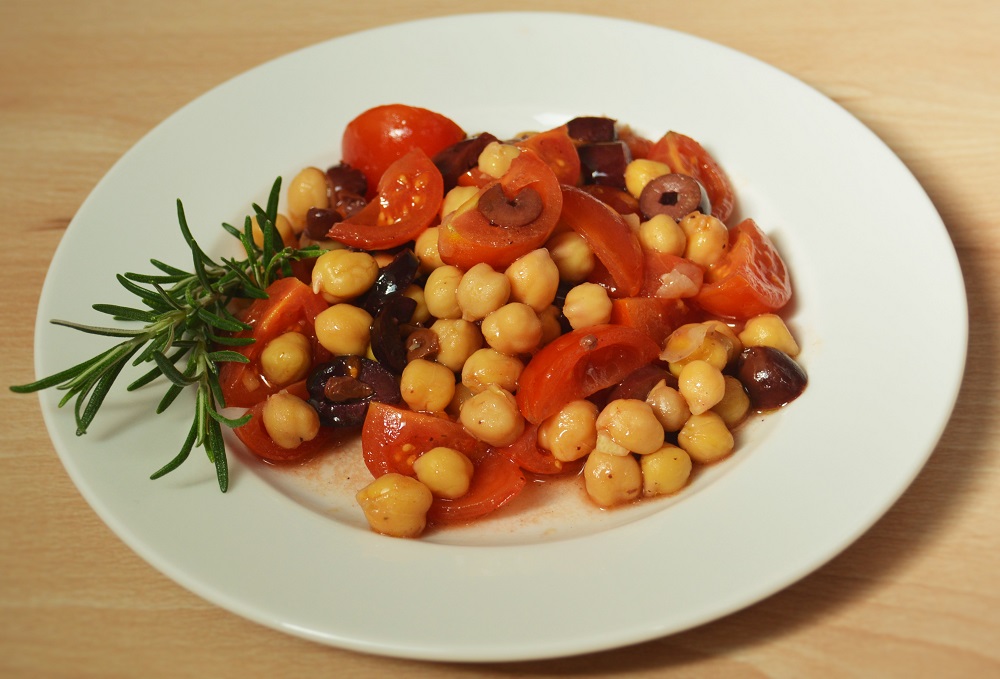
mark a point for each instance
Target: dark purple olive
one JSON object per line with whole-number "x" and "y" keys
{"x": 604, "y": 163}
{"x": 393, "y": 279}
{"x": 591, "y": 129}
{"x": 675, "y": 195}
{"x": 387, "y": 341}
{"x": 319, "y": 220}
{"x": 461, "y": 157}
{"x": 771, "y": 377}
{"x": 510, "y": 213}
{"x": 340, "y": 390}
{"x": 343, "y": 178}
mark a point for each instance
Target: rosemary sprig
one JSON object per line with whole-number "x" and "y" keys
{"x": 184, "y": 319}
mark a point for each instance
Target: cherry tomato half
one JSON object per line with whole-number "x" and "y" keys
{"x": 497, "y": 480}
{"x": 750, "y": 279}
{"x": 670, "y": 276}
{"x": 382, "y": 135}
{"x": 686, "y": 156}
{"x": 524, "y": 451}
{"x": 254, "y": 435}
{"x": 557, "y": 149}
{"x": 392, "y": 438}
{"x": 654, "y": 317}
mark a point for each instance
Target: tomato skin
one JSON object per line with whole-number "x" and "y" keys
{"x": 557, "y": 149}
{"x": 497, "y": 480}
{"x": 609, "y": 237}
{"x": 579, "y": 364}
{"x": 392, "y": 438}
{"x": 291, "y": 305}
{"x": 654, "y": 317}
{"x": 524, "y": 451}
{"x": 409, "y": 197}
{"x": 686, "y": 156}
{"x": 382, "y": 135}
{"x": 749, "y": 280}
{"x": 254, "y": 435}
{"x": 467, "y": 238}
{"x": 660, "y": 267}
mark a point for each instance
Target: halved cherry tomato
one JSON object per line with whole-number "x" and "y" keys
{"x": 254, "y": 435}
{"x": 670, "y": 276}
{"x": 409, "y": 197}
{"x": 496, "y": 481}
{"x": 290, "y": 306}
{"x": 557, "y": 149}
{"x": 578, "y": 364}
{"x": 609, "y": 237}
{"x": 382, "y": 135}
{"x": 686, "y": 156}
{"x": 528, "y": 456}
{"x": 638, "y": 145}
{"x": 750, "y": 279}
{"x": 654, "y": 317}
{"x": 620, "y": 201}
{"x": 392, "y": 438}
{"x": 466, "y": 237}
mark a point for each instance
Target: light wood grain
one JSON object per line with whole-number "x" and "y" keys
{"x": 916, "y": 596}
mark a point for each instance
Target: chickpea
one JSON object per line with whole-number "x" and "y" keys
{"x": 496, "y": 158}
{"x": 481, "y": 291}
{"x": 427, "y": 386}
{"x": 462, "y": 394}
{"x": 706, "y": 438}
{"x": 666, "y": 471}
{"x": 534, "y": 279}
{"x": 286, "y": 359}
{"x": 587, "y": 304}
{"x": 426, "y": 250}
{"x": 342, "y": 275}
{"x": 421, "y": 314}
{"x": 457, "y": 341}
{"x": 457, "y": 197}
{"x": 707, "y": 238}
{"x": 289, "y": 420}
{"x": 488, "y": 366}
{"x": 769, "y": 330}
{"x": 513, "y": 329}
{"x": 612, "y": 479}
{"x": 571, "y": 433}
{"x": 663, "y": 234}
{"x": 492, "y": 416}
{"x": 702, "y": 385}
{"x": 551, "y": 325}
{"x": 308, "y": 189}
{"x": 669, "y": 407}
{"x": 735, "y": 404}
{"x": 640, "y": 172}
{"x": 446, "y": 471}
{"x": 728, "y": 336}
{"x": 344, "y": 329}
{"x": 630, "y": 423}
{"x": 572, "y": 256}
{"x": 441, "y": 292}
{"x": 285, "y": 230}
{"x": 396, "y": 505}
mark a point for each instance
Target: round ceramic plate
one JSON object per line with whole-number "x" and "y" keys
{"x": 550, "y": 576}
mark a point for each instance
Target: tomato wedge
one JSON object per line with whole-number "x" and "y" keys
{"x": 750, "y": 279}
{"x": 557, "y": 149}
{"x": 409, "y": 197}
{"x": 254, "y": 435}
{"x": 655, "y": 317}
{"x": 467, "y": 237}
{"x": 290, "y": 306}
{"x": 524, "y": 451}
{"x": 579, "y": 364}
{"x": 670, "y": 276}
{"x": 392, "y": 438}
{"x": 686, "y": 156}
{"x": 497, "y": 480}
{"x": 609, "y": 237}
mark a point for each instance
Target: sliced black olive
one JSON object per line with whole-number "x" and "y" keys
{"x": 340, "y": 390}
{"x": 343, "y": 178}
{"x": 461, "y": 157}
{"x": 319, "y": 220}
{"x": 387, "y": 341}
{"x": 590, "y": 129}
{"x": 509, "y": 213}
{"x": 771, "y": 377}
{"x": 604, "y": 163}
{"x": 422, "y": 343}
{"x": 393, "y": 279}
{"x": 675, "y": 195}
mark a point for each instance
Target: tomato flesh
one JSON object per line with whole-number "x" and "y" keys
{"x": 558, "y": 151}
{"x": 655, "y": 317}
{"x": 392, "y": 438}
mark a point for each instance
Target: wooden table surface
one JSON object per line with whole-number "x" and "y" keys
{"x": 917, "y": 595}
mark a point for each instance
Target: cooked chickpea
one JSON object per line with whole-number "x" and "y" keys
{"x": 630, "y": 423}
{"x": 769, "y": 330}
{"x": 481, "y": 291}
{"x": 513, "y": 329}
{"x": 344, "y": 329}
{"x": 286, "y": 359}
{"x": 421, "y": 314}
{"x": 446, "y": 471}
{"x": 702, "y": 385}
{"x": 285, "y": 230}
{"x": 534, "y": 279}
{"x": 341, "y": 275}
{"x": 640, "y": 172}
{"x": 706, "y": 438}
{"x": 572, "y": 256}
{"x": 663, "y": 234}
{"x": 462, "y": 394}
{"x": 427, "y": 386}
{"x": 735, "y": 404}
{"x": 587, "y": 304}
{"x": 697, "y": 341}
{"x": 426, "y": 250}
{"x": 308, "y": 189}
{"x": 396, "y": 505}
{"x": 571, "y": 433}
{"x": 457, "y": 341}
{"x": 666, "y": 471}
{"x": 496, "y": 158}
{"x": 457, "y": 197}
{"x": 707, "y": 238}
{"x": 289, "y": 420}
{"x": 551, "y": 325}
{"x": 492, "y": 416}
{"x": 488, "y": 366}
{"x": 735, "y": 345}
{"x": 669, "y": 407}
{"x": 612, "y": 479}
{"x": 441, "y": 292}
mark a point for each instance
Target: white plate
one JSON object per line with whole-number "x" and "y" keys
{"x": 881, "y": 315}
